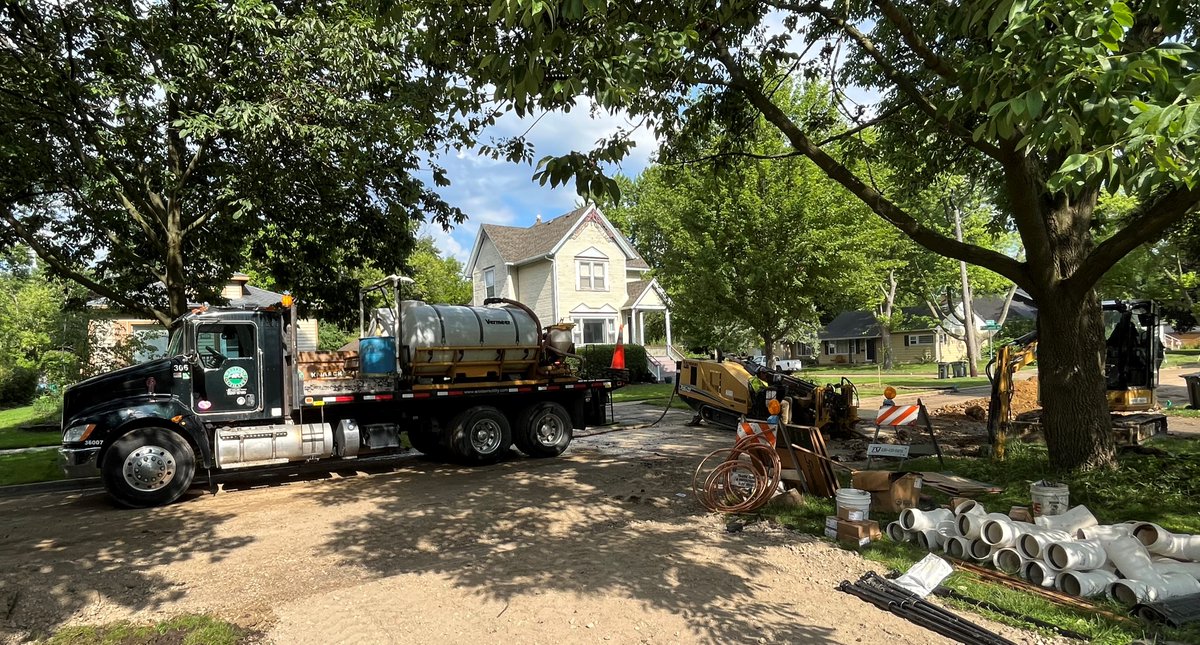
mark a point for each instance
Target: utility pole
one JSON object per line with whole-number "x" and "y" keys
{"x": 969, "y": 330}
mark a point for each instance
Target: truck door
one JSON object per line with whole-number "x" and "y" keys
{"x": 232, "y": 380}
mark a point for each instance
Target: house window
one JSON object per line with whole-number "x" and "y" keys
{"x": 830, "y": 347}
{"x": 592, "y": 331}
{"x": 919, "y": 339}
{"x": 593, "y": 275}
{"x": 489, "y": 283}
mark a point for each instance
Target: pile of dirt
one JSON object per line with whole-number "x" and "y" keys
{"x": 1024, "y": 399}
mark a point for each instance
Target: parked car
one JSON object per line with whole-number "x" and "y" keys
{"x": 788, "y": 365}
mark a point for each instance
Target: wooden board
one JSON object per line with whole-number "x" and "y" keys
{"x": 955, "y": 485}
{"x": 814, "y": 464}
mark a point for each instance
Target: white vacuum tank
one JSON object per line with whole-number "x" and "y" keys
{"x": 450, "y": 340}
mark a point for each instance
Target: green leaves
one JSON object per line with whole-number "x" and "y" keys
{"x": 198, "y": 133}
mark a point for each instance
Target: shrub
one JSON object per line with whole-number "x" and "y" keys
{"x": 48, "y": 406}
{"x": 598, "y": 358}
{"x": 17, "y": 385}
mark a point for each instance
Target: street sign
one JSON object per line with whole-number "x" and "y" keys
{"x": 887, "y": 450}
{"x": 991, "y": 326}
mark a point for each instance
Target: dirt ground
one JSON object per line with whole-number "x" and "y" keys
{"x": 603, "y": 544}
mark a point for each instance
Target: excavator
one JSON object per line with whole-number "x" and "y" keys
{"x": 1133, "y": 356}
{"x": 720, "y": 392}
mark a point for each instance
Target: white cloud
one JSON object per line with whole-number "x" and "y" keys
{"x": 499, "y": 192}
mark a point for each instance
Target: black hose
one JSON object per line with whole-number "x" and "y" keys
{"x": 668, "y": 408}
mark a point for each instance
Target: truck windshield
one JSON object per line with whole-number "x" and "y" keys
{"x": 175, "y": 347}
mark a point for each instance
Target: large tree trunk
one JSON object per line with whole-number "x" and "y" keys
{"x": 768, "y": 351}
{"x": 1071, "y": 373}
{"x": 176, "y": 281}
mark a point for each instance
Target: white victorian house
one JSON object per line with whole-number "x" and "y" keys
{"x": 574, "y": 268}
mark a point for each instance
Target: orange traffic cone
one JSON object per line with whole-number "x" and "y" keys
{"x": 618, "y": 359}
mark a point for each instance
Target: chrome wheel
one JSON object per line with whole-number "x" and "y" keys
{"x": 549, "y": 429}
{"x": 149, "y": 468}
{"x": 486, "y": 436}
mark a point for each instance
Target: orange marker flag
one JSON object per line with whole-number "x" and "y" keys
{"x": 618, "y": 359}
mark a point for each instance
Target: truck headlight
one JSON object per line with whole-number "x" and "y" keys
{"x": 78, "y": 433}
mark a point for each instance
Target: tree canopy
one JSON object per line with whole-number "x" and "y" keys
{"x": 145, "y": 148}
{"x": 1050, "y": 102}
{"x": 764, "y": 247}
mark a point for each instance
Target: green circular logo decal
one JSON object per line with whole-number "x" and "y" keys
{"x": 236, "y": 377}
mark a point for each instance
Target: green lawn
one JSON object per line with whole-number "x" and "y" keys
{"x": 643, "y": 392}
{"x": 1156, "y": 488}
{"x": 30, "y": 467}
{"x": 871, "y": 386}
{"x": 189, "y": 629}
{"x": 901, "y": 369}
{"x": 1181, "y": 412}
{"x": 11, "y": 435}
{"x": 658, "y": 393}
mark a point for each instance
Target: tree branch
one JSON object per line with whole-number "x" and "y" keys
{"x": 1012, "y": 291}
{"x": 914, "y": 41}
{"x": 51, "y": 257}
{"x": 901, "y": 81}
{"x": 1146, "y": 224}
{"x": 889, "y": 211}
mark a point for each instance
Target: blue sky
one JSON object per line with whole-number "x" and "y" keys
{"x": 501, "y": 192}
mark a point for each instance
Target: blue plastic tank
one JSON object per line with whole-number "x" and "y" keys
{"x": 377, "y": 355}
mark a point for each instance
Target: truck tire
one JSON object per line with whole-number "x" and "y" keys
{"x": 148, "y": 467}
{"x": 543, "y": 430}
{"x": 480, "y": 435}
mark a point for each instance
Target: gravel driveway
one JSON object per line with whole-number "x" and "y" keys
{"x": 598, "y": 545}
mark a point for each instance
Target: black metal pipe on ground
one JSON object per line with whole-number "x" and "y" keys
{"x": 884, "y": 594}
{"x": 934, "y": 624}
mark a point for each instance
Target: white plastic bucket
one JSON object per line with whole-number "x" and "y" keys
{"x": 1049, "y": 498}
{"x": 854, "y": 500}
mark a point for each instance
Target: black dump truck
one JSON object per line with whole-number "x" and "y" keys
{"x": 464, "y": 383}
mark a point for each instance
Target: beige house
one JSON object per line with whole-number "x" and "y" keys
{"x": 854, "y": 337}
{"x": 109, "y": 330}
{"x": 574, "y": 268}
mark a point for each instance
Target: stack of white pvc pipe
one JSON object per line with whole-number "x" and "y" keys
{"x": 1131, "y": 562}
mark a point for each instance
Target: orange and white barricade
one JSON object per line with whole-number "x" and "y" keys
{"x": 896, "y": 416}
{"x": 760, "y": 430}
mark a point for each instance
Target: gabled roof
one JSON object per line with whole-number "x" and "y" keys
{"x": 989, "y": 307}
{"x": 515, "y": 243}
{"x": 862, "y": 324}
{"x": 251, "y": 297}
{"x": 518, "y": 245}
{"x": 635, "y": 290}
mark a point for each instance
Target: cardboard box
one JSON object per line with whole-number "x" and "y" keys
{"x": 848, "y": 541}
{"x": 1020, "y": 514}
{"x": 956, "y": 501}
{"x": 857, "y": 530}
{"x": 891, "y": 492}
{"x": 851, "y": 514}
{"x": 831, "y": 522}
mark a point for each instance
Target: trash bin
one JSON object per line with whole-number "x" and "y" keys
{"x": 960, "y": 368}
{"x": 1193, "y": 388}
{"x": 943, "y": 370}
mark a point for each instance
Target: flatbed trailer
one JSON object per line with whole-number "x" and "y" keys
{"x": 233, "y": 394}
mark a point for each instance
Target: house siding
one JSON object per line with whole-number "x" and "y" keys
{"x": 947, "y": 350}
{"x": 535, "y": 287}
{"x": 489, "y": 257}
{"x": 587, "y": 235}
